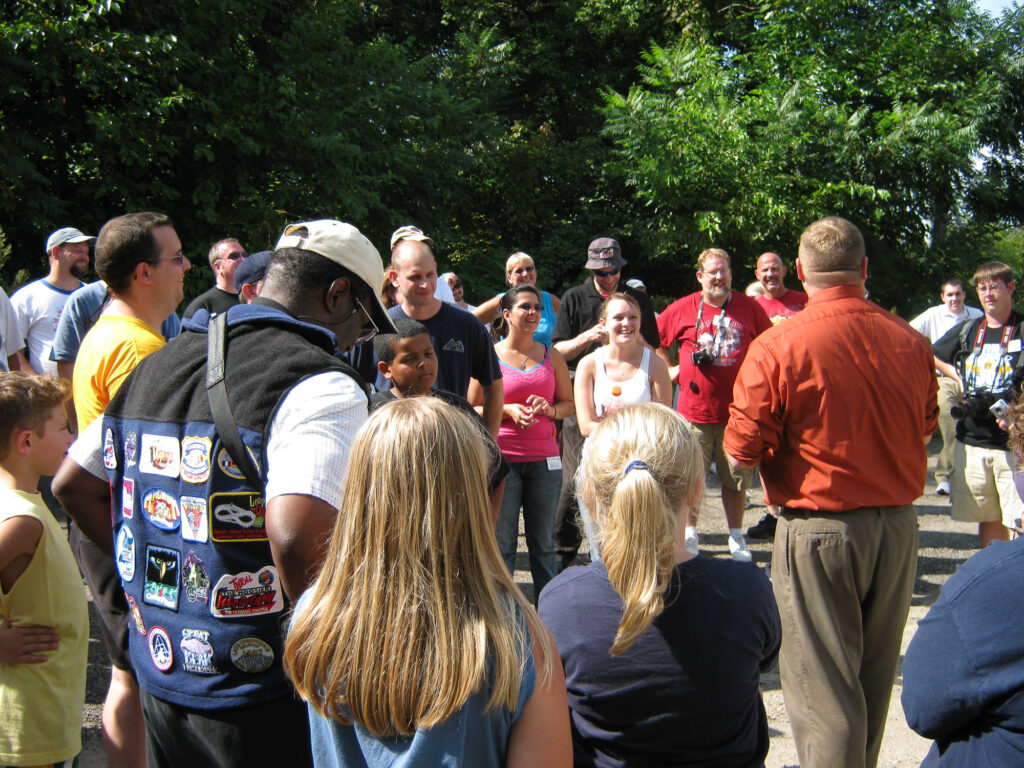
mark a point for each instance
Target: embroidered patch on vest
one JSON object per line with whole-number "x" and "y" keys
{"x": 133, "y": 609}
{"x": 197, "y": 652}
{"x": 238, "y": 517}
{"x": 197, "y": 585}
{"x": 131, "y": 448}
{"x": 247, "y": 594}
{"x": 229, "y": 467}
{"x": 161, "y": 509}
{"x": 195, "y": 459}
{"x": 160, "y": 649}
{"x": 250, "y": 654}
{"x": 161, "y": 455}
{"x": 128, "y": 497}
{"x": 163, "y": 566}
{"x": 109, "y": 460}
{"x": 193, "y": 519}
{"x": 124, "y": 553}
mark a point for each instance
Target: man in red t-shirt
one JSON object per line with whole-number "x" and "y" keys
{"x": 779, "y": 302}
{"x": 713, "y": 328}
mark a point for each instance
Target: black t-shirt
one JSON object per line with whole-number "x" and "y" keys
{"x": 686, "y": 692}
{"x": 215, "y": 301}
{"x": 987, "y": 370}
{"x": 581, "y": 307}
{"x": 497, "y": 466}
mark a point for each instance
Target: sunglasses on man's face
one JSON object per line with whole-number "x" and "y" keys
{"x": 605, "y": 272}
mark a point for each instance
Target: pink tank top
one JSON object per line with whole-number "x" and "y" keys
{"x": 536, "y": 442}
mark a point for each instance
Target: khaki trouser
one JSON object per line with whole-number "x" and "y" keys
{"x": 843, "y": 583}
{"x": 950, "y": 393}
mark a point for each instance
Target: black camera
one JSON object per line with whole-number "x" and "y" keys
{"x": 702, "y": 357}
{"x": 978, "y": 406}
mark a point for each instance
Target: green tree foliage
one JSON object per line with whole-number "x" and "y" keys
{"x": 871, "y": 110}
{"x": 536, "y": 126}
{"x": 231, "y": 116}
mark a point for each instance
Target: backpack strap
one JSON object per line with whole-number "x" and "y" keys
{"x": 217, "y": 393}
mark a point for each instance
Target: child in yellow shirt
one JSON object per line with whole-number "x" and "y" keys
{"x": 44, "y": 632}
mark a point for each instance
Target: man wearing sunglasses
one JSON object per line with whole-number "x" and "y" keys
{"x": 227, "y": 453}
{"x": 578, "y": 333}
{"x": 225, "y": 256}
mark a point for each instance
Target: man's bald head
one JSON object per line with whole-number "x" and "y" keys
{"x": 414, "y": 274}
{"x": 832, "y": 253}
{"x": 405, "y": 250}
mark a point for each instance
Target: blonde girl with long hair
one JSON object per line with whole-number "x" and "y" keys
{"x": 662, "y": 649}
{"x": 413, "y": 646}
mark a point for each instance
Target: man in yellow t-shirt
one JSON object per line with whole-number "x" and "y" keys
{"x": 139, "y": 257}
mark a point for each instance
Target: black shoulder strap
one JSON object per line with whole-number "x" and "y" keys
{"x": 216, "y": 391}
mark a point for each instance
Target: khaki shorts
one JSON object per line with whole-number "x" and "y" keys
{"x": 982, "y": 485}
{"x": 711, "y": 436}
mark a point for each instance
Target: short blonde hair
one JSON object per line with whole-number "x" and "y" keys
{"x": 26, "y": 401}
{"x": 831, "y": 247}
{"x": 414, "y": 610}
{"x": 641, "y": 468}
{"x": 517, "y": 258}
{"x": 708, "y": 253}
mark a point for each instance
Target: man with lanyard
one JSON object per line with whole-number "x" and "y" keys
{"x": 578, "y": 332}
{"x": 934, "y": 323}
{"x": 713, "y": 328}
{"x": 984, "y": 356}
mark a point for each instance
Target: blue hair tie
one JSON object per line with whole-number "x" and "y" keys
{"x": 636, "y": 464}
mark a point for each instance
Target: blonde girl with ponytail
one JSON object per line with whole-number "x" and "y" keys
{"x": 662, "y": 649}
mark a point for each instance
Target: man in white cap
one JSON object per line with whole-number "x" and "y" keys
{"x": 226, "y": 475}
{"x": 38, "y": 305}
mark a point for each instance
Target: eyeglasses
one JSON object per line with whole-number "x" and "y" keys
{"x": 234, "y": 256}
{"x": 179, "y": 259}
{"x": 605, "y": 272}
{"x": 369, "y": 330}
{"x": 524, "y": 270}
{"x": 530, "y": 307}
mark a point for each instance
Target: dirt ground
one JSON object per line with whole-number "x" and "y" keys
{"x": 944, "y": 546}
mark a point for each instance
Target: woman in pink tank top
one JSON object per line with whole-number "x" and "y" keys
{"x": 538, "y": 391}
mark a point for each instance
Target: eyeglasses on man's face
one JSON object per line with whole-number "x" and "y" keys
{"x": 605, "y": 272}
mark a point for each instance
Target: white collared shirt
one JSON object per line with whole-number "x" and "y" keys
{"x": 935, "y": 322}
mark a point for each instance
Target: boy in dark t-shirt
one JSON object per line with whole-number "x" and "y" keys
{"x": 408, "y": 361}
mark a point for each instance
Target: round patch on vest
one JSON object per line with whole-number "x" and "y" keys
{"x": 124, "y": 553}
{"x": 160, "y": 650}
{"x": 161, "y": 509}
{"x": 252, "y": 655}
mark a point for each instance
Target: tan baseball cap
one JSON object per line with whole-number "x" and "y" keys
{"x": 409, "y": 232}
{"x": 347, "y": 246}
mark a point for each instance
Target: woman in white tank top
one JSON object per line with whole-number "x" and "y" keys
{"x": 622, "y": 372}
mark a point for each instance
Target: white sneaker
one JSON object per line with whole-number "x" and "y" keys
{"x": 942, "y": 488}
{"x": 740, "y": 551}
{"x": 693, "y": 543}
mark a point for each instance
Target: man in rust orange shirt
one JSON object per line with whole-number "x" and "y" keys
{"x": 836, "y": 404}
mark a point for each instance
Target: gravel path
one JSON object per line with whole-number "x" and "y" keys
{"x": 944, "y": 545}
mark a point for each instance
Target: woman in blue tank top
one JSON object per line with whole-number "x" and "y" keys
{"x": 520, "y": 271}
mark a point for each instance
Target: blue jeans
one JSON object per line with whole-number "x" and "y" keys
{"x": 534, "y": 487}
